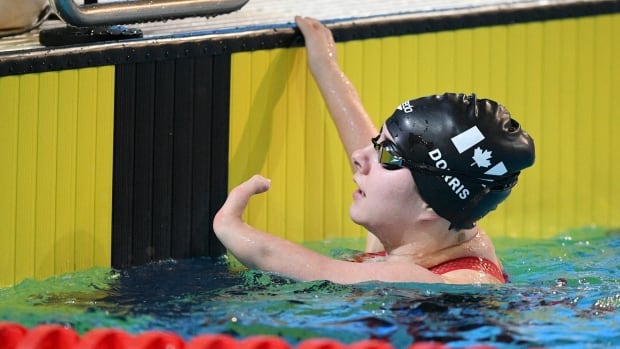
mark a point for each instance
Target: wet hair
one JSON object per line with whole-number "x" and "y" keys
{"x": 465, "y": 153}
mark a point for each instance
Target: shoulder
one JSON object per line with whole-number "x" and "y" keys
{"x": 476, "y": 244}
{"x": 482, "y": 246}
{"x": 487, "y": 268}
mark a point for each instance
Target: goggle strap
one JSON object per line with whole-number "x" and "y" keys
{"x": 493, "y": 183}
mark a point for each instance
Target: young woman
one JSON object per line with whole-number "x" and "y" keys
{"x": 438, "y": 164}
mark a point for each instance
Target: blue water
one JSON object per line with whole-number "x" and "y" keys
{"x": 564, "y": 293}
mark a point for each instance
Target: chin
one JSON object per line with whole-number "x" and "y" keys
{"x": 357, "y": 217}
{"x": 354, "y": 215}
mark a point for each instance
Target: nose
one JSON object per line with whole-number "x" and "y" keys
{"x": 362, "y": 159}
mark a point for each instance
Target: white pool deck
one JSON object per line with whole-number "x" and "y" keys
{"x": 259, "y": 15}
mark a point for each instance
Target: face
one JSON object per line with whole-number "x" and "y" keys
{"x": 386, "y": 197}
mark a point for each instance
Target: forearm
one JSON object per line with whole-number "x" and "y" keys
{"x": 345, "y": 106}
{"x": 262, "y": 251}
{"x": 248, "y": 244}
{"x": 343, "y": 102}
{"x": 241, "y": 239}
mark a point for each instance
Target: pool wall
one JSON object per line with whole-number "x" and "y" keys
{"x": 56, "y": 172}
{"x": 557, "y": 77}
{"x": 120, "y": 154}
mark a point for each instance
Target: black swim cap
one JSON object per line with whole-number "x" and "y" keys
{"x": 464, "y": 153}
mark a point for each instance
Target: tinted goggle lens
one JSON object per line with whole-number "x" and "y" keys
{"x": 388, "y": 157}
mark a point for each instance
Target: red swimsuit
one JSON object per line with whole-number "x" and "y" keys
{"x": 472, "y": 263}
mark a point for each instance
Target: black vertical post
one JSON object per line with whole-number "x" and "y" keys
{"x": 170, "y": 158}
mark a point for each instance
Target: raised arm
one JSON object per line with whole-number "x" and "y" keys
{"x": 343, "y": 102}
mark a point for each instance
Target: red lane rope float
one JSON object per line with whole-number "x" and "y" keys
{"x": 157, "y": 340}
{"x": 104, "y": 338}
{"x": 428, "y": 345}
{"x": 321, "y": 343}
{"x": 371, "y": 344}
{"x": 212, "y": 341}
{"x": 49, "y": 337}
{"x": 16, "y": 336}
{"x": 11, "y": 334}
{"x": 264, "y": 342}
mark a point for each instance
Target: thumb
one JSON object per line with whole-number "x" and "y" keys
{"x": 258, "y": 184}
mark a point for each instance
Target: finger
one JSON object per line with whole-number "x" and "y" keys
{"x": 259, "y": 184}
{"x": 255, "y": 185}
{"x": 240, "y": 195}
{"x": 303, "y": 24}
{"x": 307, "y": 24}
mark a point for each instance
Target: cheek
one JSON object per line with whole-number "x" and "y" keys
{"x": 395, "y": 191}
{"x": 400, "y": 190}
{"x": 390, "y": 199}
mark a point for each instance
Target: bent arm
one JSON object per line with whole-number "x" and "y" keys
{"x": 257, "y": 249}
{"x": 260, "y": 250}
{"x": 343, "y": 102}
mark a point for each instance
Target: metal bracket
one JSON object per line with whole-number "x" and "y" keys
{"x": 138, "y": 11}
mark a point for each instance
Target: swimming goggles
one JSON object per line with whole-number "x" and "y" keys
{"x": 388, "y": 156}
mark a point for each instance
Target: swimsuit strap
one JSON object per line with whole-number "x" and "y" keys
{"x": 473, "y": 263}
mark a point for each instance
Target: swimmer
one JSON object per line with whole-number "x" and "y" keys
{"x": 437, "y": 165}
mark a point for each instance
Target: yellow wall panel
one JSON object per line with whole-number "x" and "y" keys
{"x": 9, "y": 86}
{"x": 556, "y": 77}
{"x": 602, "y": 152}
{"x": 567, "y": 211}
{"x": 56, "y": 172}
{"x": 427, "y": 67}
{"x": 390, "y": 89}
{"x": 26, "y": 184}
{"x": 66, "y": 186}
{"x": 614, "y": 164}
{"x": 85, "y": 164}
{"x": 45, "y": 218}
{"x": 295, "y": 149}
{"x": 313, "y": 153}
{"x": 102, "y": 229}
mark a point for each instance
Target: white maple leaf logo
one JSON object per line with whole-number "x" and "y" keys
{"x": 481, "y": 157}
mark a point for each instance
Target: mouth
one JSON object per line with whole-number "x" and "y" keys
{"x": 358, "y": 193}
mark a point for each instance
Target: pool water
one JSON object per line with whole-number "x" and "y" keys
{"x": 564, "y": 293}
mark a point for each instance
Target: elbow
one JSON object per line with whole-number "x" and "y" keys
{"x": 217, "y": 222}
{"x": 223, "y": 222}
